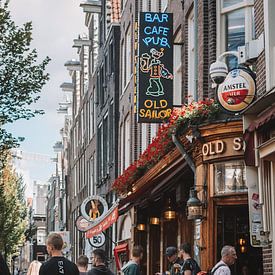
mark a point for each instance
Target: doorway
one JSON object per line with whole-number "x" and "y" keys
{"x": 233, "y": 229}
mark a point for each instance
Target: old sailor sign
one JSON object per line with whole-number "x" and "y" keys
{"x": 155, "y": 67}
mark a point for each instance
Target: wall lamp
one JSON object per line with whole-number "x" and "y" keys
{"x": 194, "y": 206}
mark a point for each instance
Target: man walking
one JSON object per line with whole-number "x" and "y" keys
{"x": 57, "y": 265}
{"x": 82, "y": 264}
{"x": 99, "y": 261}
{"x": 175, "y": 263}
{"x": 190, "y": 266}
{"x": 229, "y": 257}
{"x": 133, "y": 266}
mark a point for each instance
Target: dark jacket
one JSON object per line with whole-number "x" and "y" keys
{"x": 100, "y": 270}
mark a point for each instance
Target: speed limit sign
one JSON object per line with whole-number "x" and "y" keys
{"x": 97, "y": 240}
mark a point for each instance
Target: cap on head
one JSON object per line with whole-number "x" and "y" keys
{"x": 170, "y": 251}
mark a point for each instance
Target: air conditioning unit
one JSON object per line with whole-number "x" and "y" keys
{"x": 251, "y": 50}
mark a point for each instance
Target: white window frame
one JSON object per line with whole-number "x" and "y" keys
{"x": 128, "y": 55}
{"x": 177, "y": 83}
{"x": 121, "y": 148}
{"x": 144, "y": 140}
{"x": 191, "y": 57}
{"x": 127, "y": 143}
{"x": 221, "y": 12}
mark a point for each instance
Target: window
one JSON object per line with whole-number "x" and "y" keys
{"x": 155, "y": 6}
{"x": 191, "y": 57}
{"x": 127, "y": 141}
{"x": 128, "y": 54}
{"x": 122, "y": 66}
{"x": 100, "y": 152}
{"x": 235, "y": 26}
{"x": 105, "y": 145}
{"x": 121, "y": 148}
{"x": 163, "y": 4}
{"x": 91, "y": 117}
{"x": 153, "y": 132}
{"x": 230, "y": 177}
{"x": 86, "y": 68}
{"x": 92, "y": 176}
{"x": 143, "y": 136}
{"x": 111, "y": 134}
{"x": 144, "y": 5}
{"x": 269, "y": 7}
{"x": 177, "y": 93}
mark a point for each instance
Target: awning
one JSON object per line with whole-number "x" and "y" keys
{"x": 156, "y": 185}
{"x": 266, "y": 117}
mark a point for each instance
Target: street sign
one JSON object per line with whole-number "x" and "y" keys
{"x": 97, "y": 240}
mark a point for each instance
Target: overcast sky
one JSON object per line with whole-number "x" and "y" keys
{"x": 55, "y": 24}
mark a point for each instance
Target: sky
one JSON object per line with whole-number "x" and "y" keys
{"x": 55, "y": 24}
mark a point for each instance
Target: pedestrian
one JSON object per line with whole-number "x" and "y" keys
{"x": 4, "y": 270}
{"x": 34, "y": 268}
{"x": 175, "y": 263}
{"x": 229, "y": 256}
{"x": 57, "y": 264}
{"x": 99, "y": 261}
{"x": 133, "y": 266}
{"x": 190, "y": 266}
{"x": 82, "y": 264}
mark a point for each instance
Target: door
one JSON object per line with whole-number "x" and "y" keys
{"x": 233, "y": 229}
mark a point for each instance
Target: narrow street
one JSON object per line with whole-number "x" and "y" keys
{"x": 137, "y": 137}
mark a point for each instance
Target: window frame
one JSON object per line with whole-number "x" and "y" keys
{"x": 248, "y": 5}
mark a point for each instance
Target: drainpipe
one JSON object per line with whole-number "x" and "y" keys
{"x": 196, "y": 50}
{"x": 186, "y": 156}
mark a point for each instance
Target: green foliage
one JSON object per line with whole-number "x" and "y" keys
{"x": 13, "y": 210}
{"x": 21, "y": 77}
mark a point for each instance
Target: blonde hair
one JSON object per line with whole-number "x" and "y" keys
{"x": 34, "y": 268}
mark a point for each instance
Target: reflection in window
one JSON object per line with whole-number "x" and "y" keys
{"x": 230, "y": 177}
{"x": 235, "y": 33}
{"x": 228, "y": 3}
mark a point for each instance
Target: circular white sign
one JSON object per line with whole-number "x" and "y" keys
{"x": 97, "y": 240}
{"x": 93, "y": 207}
{"x": 237, "y": 91}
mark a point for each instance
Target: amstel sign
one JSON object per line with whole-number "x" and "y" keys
{"x": 237, "y": 91}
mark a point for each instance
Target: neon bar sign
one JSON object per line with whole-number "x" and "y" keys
{"x": 155, "y": 67}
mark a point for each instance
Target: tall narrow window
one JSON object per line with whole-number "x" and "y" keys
{"x": 128, "y": 54}
{"x": 105, "y": 145}
{"x": 127, "y": 141}
{"x": 122, "y": 148}
{"x": 122, "y": 54}
{"x": 111, "y": 134}
{"x": 144, "y": 140}
{"x": 177, "y": 93}
{"x": 191, "y": 57}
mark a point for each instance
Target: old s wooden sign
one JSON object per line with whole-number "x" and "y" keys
{"x": 222, "y": 148}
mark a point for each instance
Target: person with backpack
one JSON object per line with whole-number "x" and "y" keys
{"x": 133, "y": 266}
{"x": 190, "y": 266}
{"x": 229, "y": 257}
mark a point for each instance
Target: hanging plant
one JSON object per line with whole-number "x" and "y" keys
{"x": 181, "y": 118}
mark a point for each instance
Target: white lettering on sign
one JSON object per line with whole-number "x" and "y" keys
{"x": 213, "y": 148}
{"x": 219, "y": 146}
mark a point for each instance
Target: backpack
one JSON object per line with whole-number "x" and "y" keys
{"x": 212, "y": 271}
{"x": 195, "y": 269}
